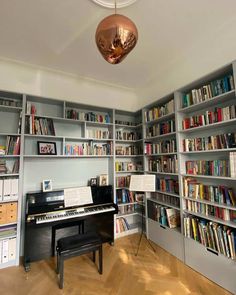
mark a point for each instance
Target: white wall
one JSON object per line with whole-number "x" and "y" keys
{"x": 22, "y": 78}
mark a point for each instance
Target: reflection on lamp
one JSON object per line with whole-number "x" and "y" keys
{"x": 116, "y": 36}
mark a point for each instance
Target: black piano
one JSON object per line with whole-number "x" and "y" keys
{"x": 46, "y": 214}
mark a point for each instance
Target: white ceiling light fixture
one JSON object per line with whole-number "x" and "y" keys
{"x": 110, "y": 3}
{"x": 116, "y": 36}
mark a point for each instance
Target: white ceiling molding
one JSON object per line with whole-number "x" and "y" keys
{"x": 111, "y": 3}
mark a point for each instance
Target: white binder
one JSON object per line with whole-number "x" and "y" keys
{"x": 5, "y": 251}
{"x": 1, "y": 189}
{"x": 14, "y": 188}
{"x": 12, "y": 249}
{"x": 6, "y": 189}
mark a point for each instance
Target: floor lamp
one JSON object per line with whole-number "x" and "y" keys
{"x": 142, "y": 183}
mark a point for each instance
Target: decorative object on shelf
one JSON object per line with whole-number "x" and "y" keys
{"x": 116, "y": 36}
{"x": 47, "y": 185}
{"x": 103, "y": 179}
{"x": 93, "y": 182}
{"x": 47, "y": 148}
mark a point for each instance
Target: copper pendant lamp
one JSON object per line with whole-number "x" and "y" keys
{"x": 116, "y": 36}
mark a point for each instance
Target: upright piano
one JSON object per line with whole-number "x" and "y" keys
{"x": 45, "y": 212}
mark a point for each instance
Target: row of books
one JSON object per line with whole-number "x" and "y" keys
{"x": 159, "y": 111}
{"x": 12, "y": 146}
{"x": 160, "y": 129}
{"x": 212, "y": 235}
{"x": 89, "y": 148}
{"x": 167, "y": 185}
{"x": 122, "y": 181}
{"x": 87, "y": 116}
{"x": 7, "y": 250}
{"x": 213, "y": 193}
{"x": 210, "y": 210}
{"x": 211, "y": 167}
{"x": 128, "y": 123}
{"x": 98, "y": 134}
{"x": 208, "y": 91}
{"x": 207, "y": 143}
{"x": 165, "y": 146}
{"x": 10, "y": 102}
{"x": 9, "y": 169}
{"x": 128, "y": 166}
{"x": 232, "y": 162}
{"x": 131, "y": 150}
{"x": 164, "y": 164}
{"x": 125, "y": 196}
{"x": 168, "y": 200}
{"x": 126, "y": 135}
{"x": 39, "y": 126}
{"x": 210, "y": 117}
{"x": 131, "y": 208}
{"x": 122, "y": 225}
{"x": 164, "y": 215}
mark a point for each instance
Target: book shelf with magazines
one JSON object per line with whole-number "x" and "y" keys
{"x": 10, "y": 177}
{"x": 128, "y": 161}
{"x": 206, "y": 132}
{"x": 161, "y": 159}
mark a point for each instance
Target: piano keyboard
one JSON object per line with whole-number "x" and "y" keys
{"x": 72, "y": 213}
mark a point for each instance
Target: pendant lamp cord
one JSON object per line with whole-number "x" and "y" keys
{"x": 115, "y": 6}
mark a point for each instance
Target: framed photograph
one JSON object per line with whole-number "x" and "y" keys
{"x": 47, "y": 148}
{"x": 47, "y": 185}
{"x": 103, "y": 179}
{"x": 93, "y": 181}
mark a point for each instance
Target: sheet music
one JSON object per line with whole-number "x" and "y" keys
{"x": 142, "y": 183}
{"x": 78, "y": 196}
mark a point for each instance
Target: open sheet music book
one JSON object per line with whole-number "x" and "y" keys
{"x": 78, "y": 196}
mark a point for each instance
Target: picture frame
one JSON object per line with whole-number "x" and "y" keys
{"x": 103, "y": 180}
{"x": 47, "y": 148}
{"x": 47, "y": 185}
{"x": 93, "y": 182}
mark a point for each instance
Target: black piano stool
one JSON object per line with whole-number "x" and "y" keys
{"x": 74, "y": 246}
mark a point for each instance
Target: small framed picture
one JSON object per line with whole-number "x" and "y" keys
{"x": 47, "y": 185}
{"x": 103, "y": 179}
{"x": 93, "y": 181}
{"x": 47, "y": 148}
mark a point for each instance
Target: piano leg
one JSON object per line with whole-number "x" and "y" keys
{"x": 27, "y": 267}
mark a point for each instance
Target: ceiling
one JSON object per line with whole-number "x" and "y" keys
{"x": 59, "y": 35}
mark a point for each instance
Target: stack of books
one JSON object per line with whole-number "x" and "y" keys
{"x": 128, "y": 166}
{"x": 122, "y": 225}
{"x": 166, "y": 146}
{"x": 89, "y": 148}
{"x": 131, "y": 150}
{"x": 232, "y": 161}
{"x": 13, "y": 145}
{"x": 212, "y": 168}
{"x": 165, "y": 164}
{"x": 122, "y": 181}
{"x": 127, "y": 135}
{"x": 160, "y": 111}
{"x": 87, "y": 116}
{"x": 124, "y": 196}
{"x": 167, "y": 185}
{"x": 160, "y": 129}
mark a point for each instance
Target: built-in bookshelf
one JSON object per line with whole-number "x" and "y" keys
{"x": 10, "y": 177}
{"x": 128, "y": 161}
{"x": 206, "y": 139}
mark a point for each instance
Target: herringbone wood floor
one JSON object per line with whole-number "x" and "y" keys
{"x": 124, "y": 274}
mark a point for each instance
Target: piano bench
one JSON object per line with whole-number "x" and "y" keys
{"x": 74, "y": 246}
{"x": 79, "y": 223}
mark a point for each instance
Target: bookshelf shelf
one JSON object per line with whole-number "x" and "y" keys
{"x": 210, "y": 151}
{"x": 85, "y": 139}
{"x": 167, "y": 193}
{"x": 209, "y": 177}
{"x": 128, "y": 156}
{"x": 126, "y": 204}
{"x": 125, "y": 172}
{"x": 10, "y": 109}
{"x": 164, "y": 204}
{"x": 162, "y": 173}
{"x": 161, "y": 154}
{"x": 212, "y": 218}
{"x": 230, "y": 207}
{"x": 66, "y": 156}
{"x": 127, "y": 214}
{"x": 210, "y": 126}
{"x": 128, "y": 141}
{"x": 128, "y": 126}
{"x": 9, "y": 174}
{"x": 160, "y": 119}
{"x": 43, "y": 136}
{"x": 9, "y": 134}
{"x": 171, "y": 134}
{"x": 58, "y": 119}
{"x": 208, "y": 103}
{"x": 9, "y": 156}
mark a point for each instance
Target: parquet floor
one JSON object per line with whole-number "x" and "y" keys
{"x": 148, "y": 273}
